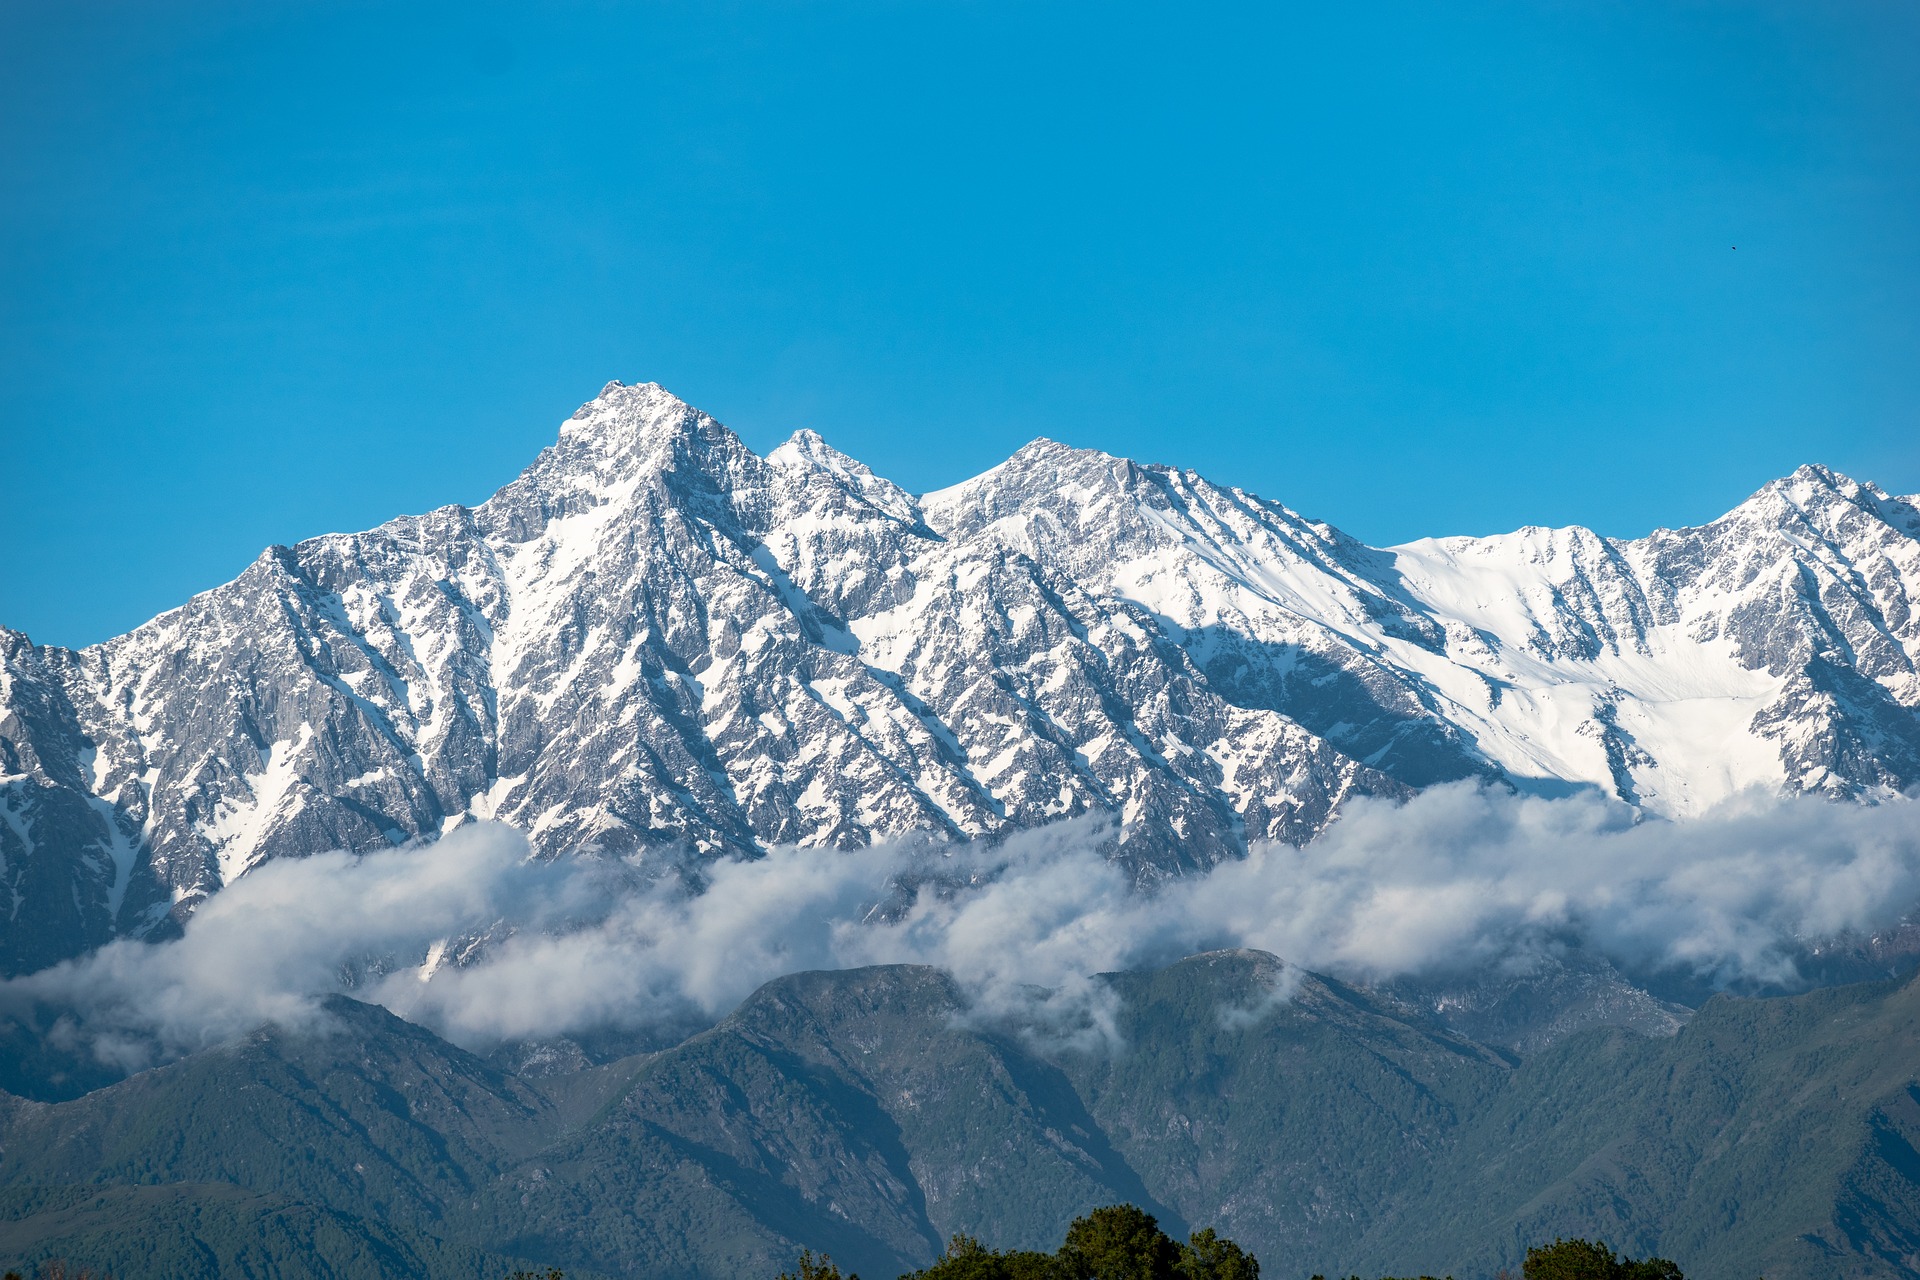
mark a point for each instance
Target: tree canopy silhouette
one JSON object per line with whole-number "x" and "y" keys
{"x": 1592, "y": 1260}
{"x": 812, "y": 1268}
{"x": 1125, "y": 1242}
{"x": 1117, "y": 1242}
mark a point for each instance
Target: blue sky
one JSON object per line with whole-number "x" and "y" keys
{"x": 269, "y": 270}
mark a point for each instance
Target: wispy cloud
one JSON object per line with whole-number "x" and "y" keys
{"x": 471, "y": 937}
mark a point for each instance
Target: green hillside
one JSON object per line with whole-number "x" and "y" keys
{"x": 1771, "y": 1136}
{"x": 870, "y": 1115}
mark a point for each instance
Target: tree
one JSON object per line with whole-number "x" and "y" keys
{"x": 1119, "y": 1242}
{"x": 1650, "y": 1269}
{"x": 967, "y": 1259}
{"x": 1592, "y": 1260}
{"x": 1207, "y": 1256}
{"x": 812, "y": 1268}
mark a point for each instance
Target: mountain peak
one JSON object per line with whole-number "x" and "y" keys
{"x": 1040, "y": 445}
{"x": 1043, "y": 449}
{"x": 646, "y": 403}
{"x": 1043, "y": 474}
{"x": 1806, "y": 490}
{"x": 807, "y": 447}
{"x": 1035, "y": 461}
{"x": 806, "y": 451}
{"x": 644, "y": 428}
{"x": 1811, "y": 479}
{"x": 1813, "y": 482}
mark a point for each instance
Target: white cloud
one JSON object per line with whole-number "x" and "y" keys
{"x": 1460, "y": 876}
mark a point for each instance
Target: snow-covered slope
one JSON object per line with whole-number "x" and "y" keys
{"x": 656, "y": 639}
{"x": 1775, "y": 647}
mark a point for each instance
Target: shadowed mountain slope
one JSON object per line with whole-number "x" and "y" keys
{"x": 872, "y": 1112}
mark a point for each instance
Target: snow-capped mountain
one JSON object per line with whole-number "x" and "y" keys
{"x": 655, "y": 638}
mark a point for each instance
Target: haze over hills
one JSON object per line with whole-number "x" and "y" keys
{"x": 656, "y": 639}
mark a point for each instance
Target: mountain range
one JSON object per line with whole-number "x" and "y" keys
{"x": 869, "y": 1113}
{"x": 657, "y": 648}
{"x": 656, "y": 640}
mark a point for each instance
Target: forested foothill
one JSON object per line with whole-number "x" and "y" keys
{"x": 1332, "y": 1131}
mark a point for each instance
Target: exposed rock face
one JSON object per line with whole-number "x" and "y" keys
{"x": 657, "y": 638}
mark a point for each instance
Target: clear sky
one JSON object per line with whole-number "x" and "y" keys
{"x": 269, "y": 270}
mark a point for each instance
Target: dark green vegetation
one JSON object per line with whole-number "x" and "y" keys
{"x": 1592, "y": 1260}
{"x": 1124, "y": 1242}
{"x": 862, "y": 1114}
{"x": 1115, "y": 1242}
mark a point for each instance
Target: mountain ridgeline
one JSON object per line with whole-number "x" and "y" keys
{"x": 655, "y": 638}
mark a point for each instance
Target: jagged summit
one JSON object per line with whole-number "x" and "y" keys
{"x": 641, "y": 407}
{"x": 807, "y": 452}
{"x": 644, "y": 423}
{"x": 656, "y": 639}
{"x": 1826, "y": 501}
{"x": 1044, "y": 488}
{"x": 1039, "y": 461}
{"x": 807, "y": 446}
{"x": 617, "y": 393}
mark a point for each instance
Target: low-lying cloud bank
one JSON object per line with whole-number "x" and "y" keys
{"x": 1460, "y": 877}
